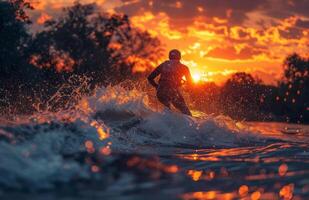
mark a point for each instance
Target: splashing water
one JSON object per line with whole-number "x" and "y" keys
{"x": 115, "y": 144}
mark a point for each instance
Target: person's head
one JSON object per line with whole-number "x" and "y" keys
{"x": 174, "y": 54}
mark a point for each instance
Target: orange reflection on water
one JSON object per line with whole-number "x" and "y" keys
{"x": 256, "y": 195}
{"x": 243, "y": 191}
{"x": 172, "y": 169}
{"x": 89, "y": 146}
{"x": 264, "y": 176}
{"x": 286, "y": 192}
{"x": 95, "y": 169}
{"x": 102, "y": 134}
{"x": 282, "y": 169}
{"x": 240, "y": 154}
{"x": 230, "y": 152}
{"x": 106, "y": 151}
{"x": 280, "y": 130}
{"x": 198, "y": 157}
{"x": 154, "y": 164}
{"x": 195, "y": 174}
{"x": 208, "y": 195}
{"x": 215, "y": 155}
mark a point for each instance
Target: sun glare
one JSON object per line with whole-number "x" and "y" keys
{"x": 196, "y": 77}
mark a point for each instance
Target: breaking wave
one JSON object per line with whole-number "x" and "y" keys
{"x": 45, "y": 150}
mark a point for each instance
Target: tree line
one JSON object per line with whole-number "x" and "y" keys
{"x": 244, "y": 97}
{"x": 73, "y": 54}
{"x": 84, "y": 49}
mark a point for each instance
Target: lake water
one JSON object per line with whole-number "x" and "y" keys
{"x": 115, "y": 146}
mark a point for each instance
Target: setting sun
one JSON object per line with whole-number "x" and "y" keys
{"x": 196, "y": 77}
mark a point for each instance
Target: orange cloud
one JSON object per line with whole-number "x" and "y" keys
{"x": 43, "y": 18}
{"x": 160, "y": 25}
{"x": 217, "y": 37}
{"x": 231, "y": 53}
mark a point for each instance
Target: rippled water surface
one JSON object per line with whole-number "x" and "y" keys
{"x": 115, "y": 146}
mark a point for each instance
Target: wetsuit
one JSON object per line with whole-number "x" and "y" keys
{"x": 171, "y": 74}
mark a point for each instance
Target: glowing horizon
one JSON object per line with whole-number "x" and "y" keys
{"x": 217, "y": 38}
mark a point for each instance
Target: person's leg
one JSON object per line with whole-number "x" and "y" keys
{"x": 164, "y": 98}
{"x": 179, "y": 103}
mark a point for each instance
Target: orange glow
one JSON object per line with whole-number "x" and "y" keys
{"x": 89, "y": 146}
{"x": 178, "y": 4}
{"x": 201, "y": 195}
{"x": 283, "y": 170}
{"x": 243, "y": 190}
{"x": 115, "y": 46}
{"x": 43, "y": 18}
{"x": 205, "y": 195}
{"x": 106, "y": 151}
{"x": 39, "y": 5}
{"x": 95, "y": 169}
{"x": 152, "y": 164}
{"x": 172, "y": 169}
{"x": 102, "y": 134}
{"x": 211, "y": 175}
{"x": 196, "y": 77}
{"x": 200, "y": 9}
{"x": 195, "y": 175}
{"x": 216, "y": 54}
{"x": 215, "y": 43}
{"x": 286, "y": 192}
{"x": 84, "y": 105}
{"x": 256, "y": 195}
{"x": 62, "y": 62}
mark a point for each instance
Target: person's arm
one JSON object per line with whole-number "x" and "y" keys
{"x": 188, "y": 77}
{"x": 153, "y": 75}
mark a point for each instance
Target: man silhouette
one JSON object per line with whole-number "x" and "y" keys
{"x": 171, "y": 74}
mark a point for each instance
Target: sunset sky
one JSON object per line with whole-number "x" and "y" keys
{"x": 216, "y": 37}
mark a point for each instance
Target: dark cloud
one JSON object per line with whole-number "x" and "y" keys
{"x": 285, "y": 8}
{"x": 302, "y": 23}
{"x": 230, "y": 53}
{"x": 301, "y": 7}
{"x": 291, "y": 33}
{"x": 183, "y": 11}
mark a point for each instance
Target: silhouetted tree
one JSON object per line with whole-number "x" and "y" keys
{"x": 294, "y": 89}
{"x": 13, "y": 35}
{"x": 204, "y": 97}
{"x": 86, "y": 42}
{"x": 16, "y": 75}
{"x": 239, "y": 97}
{"x": 83, "y": 48}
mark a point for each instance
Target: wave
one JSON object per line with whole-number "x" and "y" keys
{"x": 49, "y": 148}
